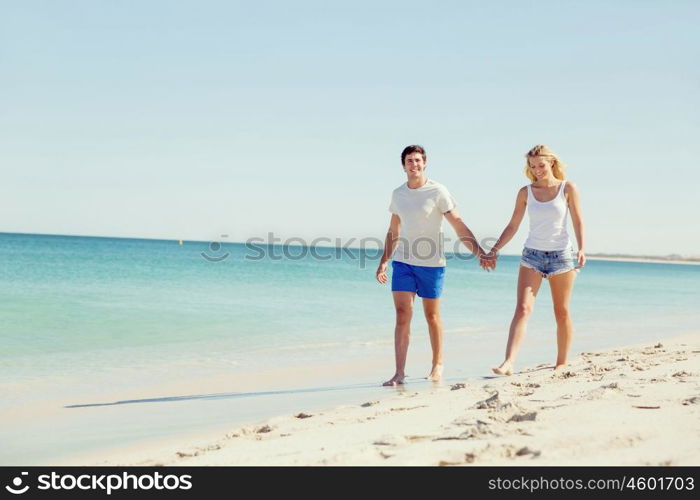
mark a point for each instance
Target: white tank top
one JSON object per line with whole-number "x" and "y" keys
{"x": 548, "y": 222}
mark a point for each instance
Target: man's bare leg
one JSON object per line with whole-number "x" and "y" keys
{"x": 431, "y": 308}
{"x": 403, "y": 302}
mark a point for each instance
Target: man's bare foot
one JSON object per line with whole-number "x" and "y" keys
{"x": 506, "y": 368}
{"x": 395, "y": 380}
{"x": 559, "y": 368}
{"x": 435, "y": 373}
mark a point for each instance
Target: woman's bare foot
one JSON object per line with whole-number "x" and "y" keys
{"x": 506, "y": 368}
{"x": 435, "y": 373}
{"x": 559, "y": 368}
{"x": 395, "y": 380}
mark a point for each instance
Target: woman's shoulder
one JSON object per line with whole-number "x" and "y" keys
{"x": 522, "y": 195}
{"x": 570, "y": 187}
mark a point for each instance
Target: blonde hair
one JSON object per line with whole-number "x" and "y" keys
{"x": 558, "y": 166}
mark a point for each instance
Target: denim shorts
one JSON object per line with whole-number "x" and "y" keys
{"x": 423, "y": 280}
{"x": 549, "y": 263}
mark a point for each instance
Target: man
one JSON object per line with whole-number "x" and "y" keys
{"x": 415, "y": 234}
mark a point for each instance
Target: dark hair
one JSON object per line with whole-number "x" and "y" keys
{"x": 415, "y": 148}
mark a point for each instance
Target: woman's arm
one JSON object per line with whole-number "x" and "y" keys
{"x": 515, "y": 220}
{"x": 489, "y": 259}
{"x": 574, "y": 200}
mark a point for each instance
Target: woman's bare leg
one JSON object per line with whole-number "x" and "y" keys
{"x": 561, "y": 286}
{"x": 529, "y": 282}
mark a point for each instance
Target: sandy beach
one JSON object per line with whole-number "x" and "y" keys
{"x": 633, "y": 405}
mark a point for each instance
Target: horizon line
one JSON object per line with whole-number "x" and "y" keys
{"x": 670, "y": 256}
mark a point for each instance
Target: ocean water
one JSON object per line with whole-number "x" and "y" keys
{"x": 84, "y": 319}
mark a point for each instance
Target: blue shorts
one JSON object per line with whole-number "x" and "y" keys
{"x": 424, "y": 280}
{"x": 549, "y": 263}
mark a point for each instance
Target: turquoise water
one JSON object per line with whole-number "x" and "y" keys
{"x": 98, "y": 314}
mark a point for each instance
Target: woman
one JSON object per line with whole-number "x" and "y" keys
{"x": 548, "y": 253}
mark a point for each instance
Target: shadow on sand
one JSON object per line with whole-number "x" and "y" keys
{"x": 415, "y": 382}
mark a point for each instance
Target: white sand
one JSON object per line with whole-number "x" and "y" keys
{"x": 637, "y": 405}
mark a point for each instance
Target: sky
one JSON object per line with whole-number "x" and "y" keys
{"x": 193, "y": 119}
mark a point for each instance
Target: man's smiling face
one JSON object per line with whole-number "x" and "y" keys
{"x": 414, "y": 165}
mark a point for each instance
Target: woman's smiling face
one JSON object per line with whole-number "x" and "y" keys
{"x": 540, "y": 166}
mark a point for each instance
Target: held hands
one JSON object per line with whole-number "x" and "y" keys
{"x": 381, "y": 273}
{"x": 488, "y": 260}
{"x": 581, "y": 258}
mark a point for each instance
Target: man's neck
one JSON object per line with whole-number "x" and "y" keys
{"x": 418, "y": 182}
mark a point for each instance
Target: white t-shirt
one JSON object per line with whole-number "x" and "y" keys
{"x": 421, "y": 210}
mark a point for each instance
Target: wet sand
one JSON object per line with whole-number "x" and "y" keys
{"x": 634, "y": 405}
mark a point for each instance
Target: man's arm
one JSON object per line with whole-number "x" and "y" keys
{"x": 392, "y": 239}
{"x": 463, "y": 232}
